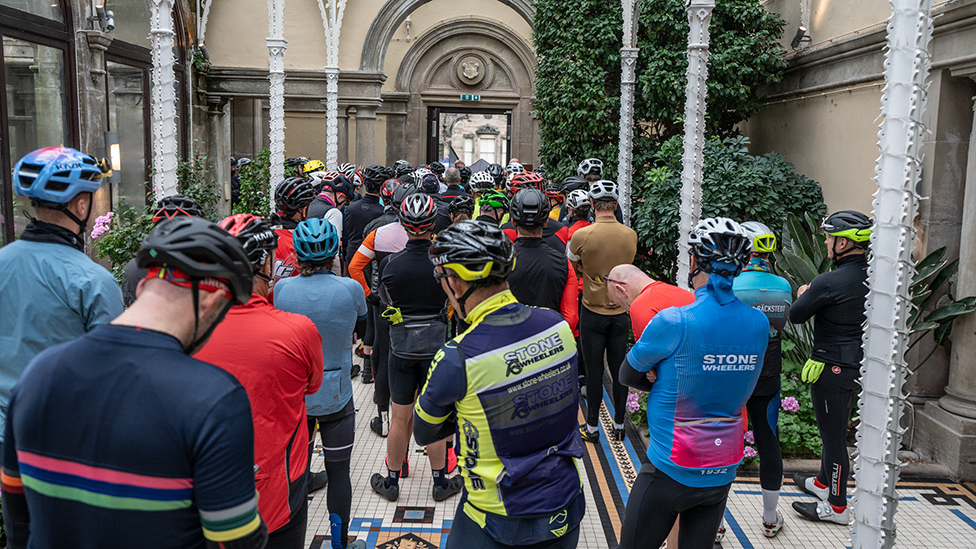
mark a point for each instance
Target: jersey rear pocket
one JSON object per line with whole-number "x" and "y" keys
{"x": 705, "y": 444}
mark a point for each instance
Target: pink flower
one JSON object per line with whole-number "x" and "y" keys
{"x": 749, "y": 437}
{"x": 749, "y": 452}
{"x": 102, "y": 223}
{"x": 633, "y": 402}
{"x": 790, "y": 404}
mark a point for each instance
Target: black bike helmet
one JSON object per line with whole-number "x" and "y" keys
{"x": 293, "y": 194}
{"x": 255, "y": 234}
{"x": 402, "y": 167}
{"x": 402, "y": 192}
{"x": 201, "y": 250}
{"x": 474, "y": 250}
{"x": 437, "y": 168}
{"x": 296, "y": 162}
{"x": 339, "y": 184}
{"x": 529, "y": 209}
{"x": 497, "y": 173}
{"x": 374, "y": 176}
{"x": 573, "y": 183}
{"x": 175, "y": 206}
{"x": 465, "y": 174}
{"x": 463, "y": 204}
{"x": 417, "y": 213}
{"x": 850, "y": 224}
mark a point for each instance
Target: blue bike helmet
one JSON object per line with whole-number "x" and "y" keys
{"x": 56, "y": 175}
{"x": 315, "y": 239}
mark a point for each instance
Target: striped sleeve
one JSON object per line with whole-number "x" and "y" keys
{"x": 16, "y": 517}
{"x": 233, "y": 523}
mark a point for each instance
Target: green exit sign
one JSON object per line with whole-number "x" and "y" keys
{"x": 470, "y": 97}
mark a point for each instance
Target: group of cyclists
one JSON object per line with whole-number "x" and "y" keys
{"x": 180, "y": 409}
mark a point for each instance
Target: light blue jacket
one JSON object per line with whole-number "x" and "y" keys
{"x": 52, "y": 293}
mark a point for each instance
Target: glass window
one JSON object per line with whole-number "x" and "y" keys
{"x": 127, "y": 116}
{"x": 48, "y": 9}
{"x": 132, "y": 19}
{"x": 36, "y": 109}
{"x": 487, "y": 149}
{"x": 468, "y": 151}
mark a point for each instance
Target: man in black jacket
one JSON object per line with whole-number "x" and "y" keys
{"x": 361, "y": 212}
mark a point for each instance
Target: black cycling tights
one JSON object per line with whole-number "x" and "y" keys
{"x": 601, "y": 334}
{"x": 656, "y": 501}
{"x": 832, "y": 396}
{"x": 378, "y": 360}
{"x": 763, "y": 408}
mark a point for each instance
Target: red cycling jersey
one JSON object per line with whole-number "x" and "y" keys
{"x": 653, "y": 299}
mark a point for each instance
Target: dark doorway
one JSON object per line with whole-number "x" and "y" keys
{"x": 476, "y": 136}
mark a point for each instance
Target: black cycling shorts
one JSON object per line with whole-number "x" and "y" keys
{"x": 407, "y": 378}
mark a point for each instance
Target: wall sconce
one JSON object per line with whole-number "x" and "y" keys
{"x": 114, "y": 153}
{"x": 800, "y": 38}
{"x": 104, "y": 18}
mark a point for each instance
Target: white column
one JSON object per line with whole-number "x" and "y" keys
{"x": 331, "y": 11}
{"x": 276, "y": 74}
{"x": 890, "y": 271}
{"x": 699, "y": 17}
{"x": 164, "y": 142}
{"x": 628, "y": 69}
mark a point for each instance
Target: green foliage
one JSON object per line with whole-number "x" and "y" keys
{"x": 640, "y": 416}
{"x": 735, "y": 184}
{"x": 798, "y": 434}
{"x": 578, "y": 75}
{"x": 254, "y": 179}
{"x": 129, "y": 225}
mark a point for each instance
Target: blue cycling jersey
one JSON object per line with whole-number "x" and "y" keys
{"x": 771, "y": 294}
{"x": 708, "y": 356}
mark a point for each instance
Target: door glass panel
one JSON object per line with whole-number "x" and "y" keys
{"x": 126, "y": 115}
{"x": 48, "y": 9}
{"x": 36, "y": 109}
{"x": 476, "y": 138}
{"x": 132, "y": 19}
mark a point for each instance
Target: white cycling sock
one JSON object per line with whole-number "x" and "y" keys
{"x": 770, "y": 499}
{"x": 592, "y": 429}
{"x": 618, "y": 425}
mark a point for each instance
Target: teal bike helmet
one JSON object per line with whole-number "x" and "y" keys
{"x": 315, "y": 239}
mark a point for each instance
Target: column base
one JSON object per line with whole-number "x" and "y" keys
{"x": 948, "y": 439}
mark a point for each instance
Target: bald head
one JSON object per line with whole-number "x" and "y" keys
{"x": 626, "y": 282}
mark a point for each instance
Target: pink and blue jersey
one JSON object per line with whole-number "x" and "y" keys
{"x": 708, "y": 357}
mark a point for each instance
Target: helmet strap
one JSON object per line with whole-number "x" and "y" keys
{"x": 461, "y": 300}
{"x": 82, "y": 224}
{"x": 196, "y": 343}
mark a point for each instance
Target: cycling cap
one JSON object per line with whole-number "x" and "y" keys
{"x": 437, "y": 168}
{"x": 604, "y": 190}
{"x": 402, "y": 167}
{"x": 462, "y": 204}
{"x": 200, "y": 250}
{"x": 530, "y": 209}
{"x": 57, "y": 175}
{"x": 590, "y": 166}
{"x": 526, "y": 180}
{"x": 719, "y": 245}
{"x": 418, "y": 213}
{"x": 578, "y": 199}
{"x": 474, "y": 250}
{"x": 402, "y": 192}
{"x": 482, "y": 180}
{"x": 514, "y": 167}
{"x": 493, "y": 199}
{"x": 849, "y": 224}
{"x": 243, "y": 162}
{"x": 313, "y": 166}
{"x": 762, "y": 239}
{"x": 293, "y": 194}
{"x": 315, "y": 239}
{"x": 255, "y": 234}
{"x": 386, "y": 190}
{"x": 429, "y": 183}
{"x": 175, "y": 206}
{"x": 497, "y": 173}
{"x": 465, "y": 174}
{"x": 296, "y": 162}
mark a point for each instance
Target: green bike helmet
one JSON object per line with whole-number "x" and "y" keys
{"x": 849, "y": 224}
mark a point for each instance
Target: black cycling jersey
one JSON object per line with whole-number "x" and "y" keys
{"x": 407, "y": 279}
{"x": 358, "y": 215}
{"x": 541, "y": 275}
{"x": 452, "y": 192}
{"x": 836, "y": 301}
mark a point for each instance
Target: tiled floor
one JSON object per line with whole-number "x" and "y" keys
{"x": 930, "y": 514}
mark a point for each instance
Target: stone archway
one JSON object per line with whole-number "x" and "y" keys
{"x": 432, "y": 75}
{"x": 394, "y": 12}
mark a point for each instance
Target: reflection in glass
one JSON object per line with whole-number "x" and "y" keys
{"x": 126, "y": 115}
{"x": 48, "y": 9}
{"x": 472, "y": 137}
{"x": 36, "y": 110}
{"x": 131, "y": 21}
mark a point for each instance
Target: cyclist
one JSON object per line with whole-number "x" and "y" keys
{"x": 292, "y": 198}
{"x": 555, "y": 200}
{"x": 835, "y": 300}
{"x": 53, "y": 292}
{"x": 642, "y": 296}
{"x": 759, "y": 288}
{"x": 493, "y": 206}
{"x": 604, "y": 326}
{"x": 480, "y": 182}
{"x": 191, "y": 476}
{"x": 590, "y": 169}
{"x": 277, "y": 357}
{"x": 167, "y": 208}
{"x": 454, "y": 181}
{"x": 465, "y": 173}
{"x": 498, "y": 174}
{"x": 364, "y": 211}
{"x": 544, "y": 277}
{"x": 313, "y": 166}
{"x": 570, "y": 184}
{"x": 297, "y": 165}
{"x": 521, "y": 483}
{"x": 461, "y": 208}
{"x": 707, "y": 357}
{"x": 417, "y": 309}
{"x": 337, "y": 306}
{"x": 577, "y": 211}
{"x": 334, "y": 193}
{"x": 402, "y": 167}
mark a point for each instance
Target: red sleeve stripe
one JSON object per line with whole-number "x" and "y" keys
{"x": 11, "y": 484}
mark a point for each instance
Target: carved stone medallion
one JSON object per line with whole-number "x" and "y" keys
{"x": 471, "y": 70}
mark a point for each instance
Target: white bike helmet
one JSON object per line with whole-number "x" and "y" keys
{"x": 514, "y": 168}
{"x": 590, "y": 166}
{"x": 604, "y": 190}
{"x": 577, "y": 199}
{"x": 482, "y": 180}
{"x": 346, "y": 169}
{"x": 762, "y": 240}
{"x": 719, "y": 245}
{"x": 419, "y": 174}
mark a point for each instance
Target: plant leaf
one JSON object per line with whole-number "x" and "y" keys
{"x": 944, "y": 275}
{"x": 942, "y": 333}
{"x": 923, "y": 327}
{"x": 951, "y": 310}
